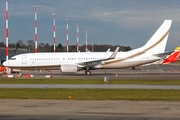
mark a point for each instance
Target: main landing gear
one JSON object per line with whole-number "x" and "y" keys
{"x": 133, "y": 68}
{"x": 87, "y": 72}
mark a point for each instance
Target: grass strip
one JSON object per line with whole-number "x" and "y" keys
{"x": 86, "y": 81}
{"x": 91, "y": 94}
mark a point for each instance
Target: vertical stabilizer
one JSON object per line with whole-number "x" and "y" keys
{"x": 157, "y": 42}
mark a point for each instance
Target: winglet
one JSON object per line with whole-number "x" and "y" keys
{"x": 108, "y": 50}
{"x": 114, "y": 53}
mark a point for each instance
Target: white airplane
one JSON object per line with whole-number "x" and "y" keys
{"x": 152, "y": 51}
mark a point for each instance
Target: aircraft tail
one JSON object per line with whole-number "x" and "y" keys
{"x": 178, "y": 48}
{"x": 172, "y": 58}
{"x": 157, "y": 42}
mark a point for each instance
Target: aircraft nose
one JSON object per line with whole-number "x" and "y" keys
{"x": 5, "y": 63}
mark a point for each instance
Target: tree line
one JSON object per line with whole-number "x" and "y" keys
{"x": 45, "y": 47}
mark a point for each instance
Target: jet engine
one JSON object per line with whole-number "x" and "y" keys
{"x": 69, "y": 68}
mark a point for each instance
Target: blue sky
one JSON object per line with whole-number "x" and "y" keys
{"x": 115, "y": 22}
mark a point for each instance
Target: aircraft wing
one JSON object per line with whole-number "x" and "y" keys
{"x": 97, "y": 62}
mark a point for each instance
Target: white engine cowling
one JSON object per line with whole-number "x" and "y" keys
{"x": 69, "y": 68}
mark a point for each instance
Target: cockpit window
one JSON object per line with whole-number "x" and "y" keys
{"x": 12, "y": 59}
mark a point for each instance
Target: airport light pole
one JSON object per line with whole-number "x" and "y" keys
{"x": 35, "y": 30}
{"x": 86, "y": 42}
{"x": 67, "y": 35}
{"x": 7, "y": 39}
{"x": 54, "y": 34}
{"x": 77, "y": 37}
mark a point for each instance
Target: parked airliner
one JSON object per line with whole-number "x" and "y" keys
{"x": 152, "y": 51}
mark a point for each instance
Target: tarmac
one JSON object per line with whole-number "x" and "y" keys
{"x": 88, "y": 109}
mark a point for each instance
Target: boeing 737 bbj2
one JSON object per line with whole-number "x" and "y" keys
{"x": 152, "y": 51}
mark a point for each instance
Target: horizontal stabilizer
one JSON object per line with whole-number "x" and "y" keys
{"x": 163, "y": 55}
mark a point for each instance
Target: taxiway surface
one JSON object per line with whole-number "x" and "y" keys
{"x": 97, "y": 109}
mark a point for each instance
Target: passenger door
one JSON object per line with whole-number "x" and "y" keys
{"x": 24, "y": 59}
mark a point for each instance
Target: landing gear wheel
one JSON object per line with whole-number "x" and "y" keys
{"x": 87, "y": 73}
{"x": 133, "y": 68}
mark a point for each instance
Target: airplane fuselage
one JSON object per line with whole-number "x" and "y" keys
{"x": 53, "y": 61}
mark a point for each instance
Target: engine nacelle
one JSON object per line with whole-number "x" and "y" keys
{"x": 69, "y": 68}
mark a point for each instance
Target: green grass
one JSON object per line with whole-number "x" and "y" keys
{"x": 91, "y": 94}
{"x": 86, "y": 81}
